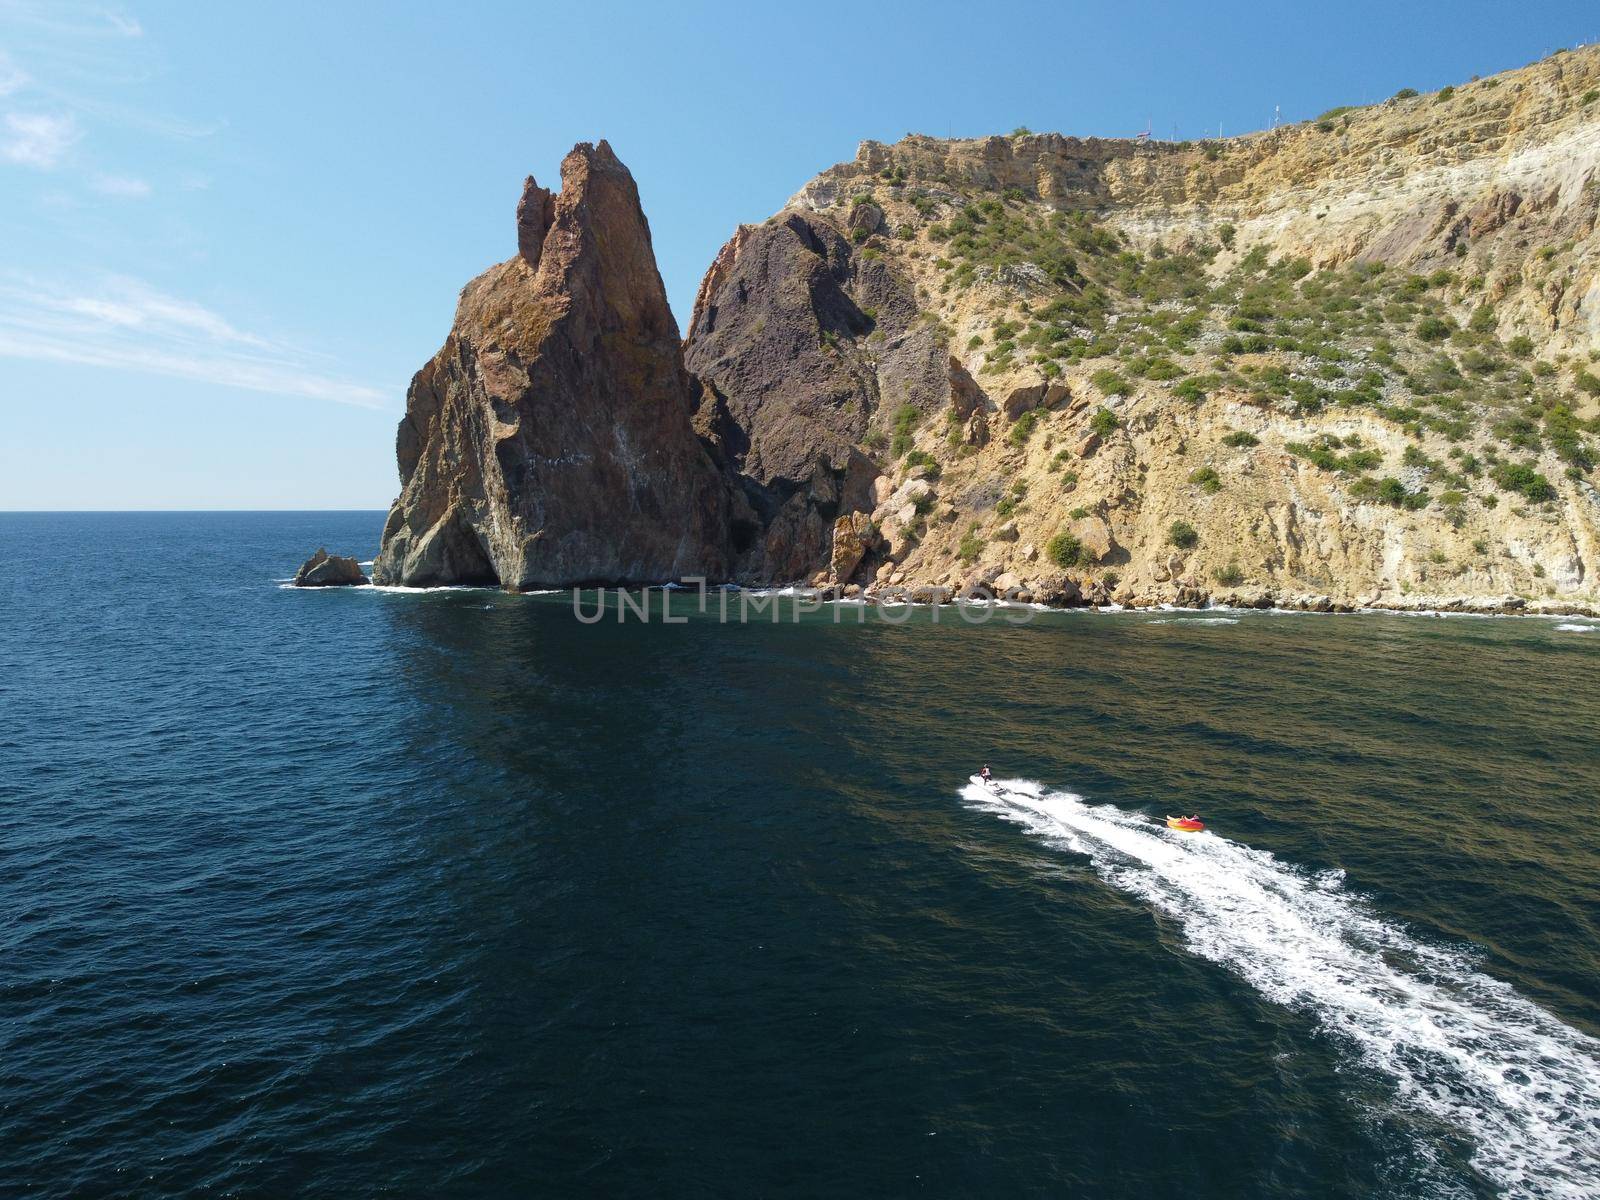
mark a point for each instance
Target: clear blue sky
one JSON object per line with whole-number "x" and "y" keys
{"x": 231, "y": 233}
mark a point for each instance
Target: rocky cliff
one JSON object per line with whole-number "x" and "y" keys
{"x": 551, "y": 440}
{"x": 800, "y": 342}
{"x": 1344, "y": 362}
{"x": 1348, "y": 362}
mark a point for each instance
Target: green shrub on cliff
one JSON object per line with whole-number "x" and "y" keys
{"x": 1066, "y": 550}
{"x": 1183, "y": 535}
{"x": 1562, "y": 430}
{"x": 1322, "y": 456}
{"x": 1523, "y": 479}
{"x": 1023, "y": 428}
{"x": 1104, "y": 422}
{"x": 971, "y": 545}
{"x": 1388, "y": 491}
{"x": 1206, "y": 479}
{"x": 1111, "y": 383}
{"x": 905, "y": 424}
{"x": 1229, "y": 576}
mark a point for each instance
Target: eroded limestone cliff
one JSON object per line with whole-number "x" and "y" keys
{"x": 1345, "y": 362}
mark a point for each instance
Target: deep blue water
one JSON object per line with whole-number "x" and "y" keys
{"x": 375, "y": 893}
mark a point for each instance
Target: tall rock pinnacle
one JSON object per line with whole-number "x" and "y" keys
{"x": 550, "y": 441}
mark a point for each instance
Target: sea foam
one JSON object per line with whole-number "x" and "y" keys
{"x": 1459, "y": 1045}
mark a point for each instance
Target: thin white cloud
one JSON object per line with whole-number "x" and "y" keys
{"x": 121, "y": 186}
{"x": 38, "y": 140}
{"x": 273, "y": 379}
{"x": 124, "y": 24}
{"x": 65, "y": 18}
{"x": 123, "y": 116}
{"x": 127, "y": 325}
{"x": 12, "y": 77}
{"x": 131, "y": 304}
{"x": 84, "y": 59}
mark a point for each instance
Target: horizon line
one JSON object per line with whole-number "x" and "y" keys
{"x": 111, "y": 512}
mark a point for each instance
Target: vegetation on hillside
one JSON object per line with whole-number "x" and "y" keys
{"x": 1421, "y": 351}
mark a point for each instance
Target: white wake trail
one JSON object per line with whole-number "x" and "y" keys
{"x": 1458, "y": 1044}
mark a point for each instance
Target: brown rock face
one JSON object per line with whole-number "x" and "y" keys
{"x": 808, "y": 347}
{"x": 853, "y": 535}
{"x": 550, "y": 441}
{"x": 535, "y": 213}
{"x": 329, "y": 570}
{"x": 1023, "y": 399}
{"x": 1095, "y": 536}
{"x": 966, "y": 397}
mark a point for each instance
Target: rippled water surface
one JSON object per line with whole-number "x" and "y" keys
{"x": 364, "y": 892}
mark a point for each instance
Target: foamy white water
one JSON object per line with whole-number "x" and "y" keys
{"x": 1574, "y": 628}
{"x": 1459, "y": 1045}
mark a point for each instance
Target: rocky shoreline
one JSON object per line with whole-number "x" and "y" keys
{"x": 935, "y": 595}
{"x": 1259, "y": 601}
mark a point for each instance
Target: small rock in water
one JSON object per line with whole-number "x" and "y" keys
{"x": 329, "y": 570}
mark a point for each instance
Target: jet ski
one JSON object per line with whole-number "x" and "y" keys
{"x": 1185, "y": 824}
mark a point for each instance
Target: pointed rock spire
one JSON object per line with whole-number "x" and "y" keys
{"x": 551, "y": 440}
{"x": 535, "y": 211}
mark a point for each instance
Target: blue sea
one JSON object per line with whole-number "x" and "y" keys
{"x": 383, "y": 893}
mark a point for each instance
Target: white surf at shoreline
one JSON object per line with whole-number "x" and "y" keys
{"x": 1458, "y": 1045}
{"x": 1168, "y": 613}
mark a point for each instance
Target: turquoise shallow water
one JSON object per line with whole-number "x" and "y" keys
{"x": 375, "y": 893}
